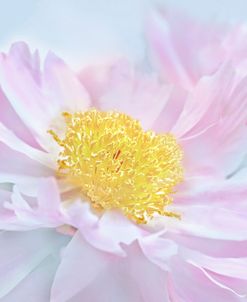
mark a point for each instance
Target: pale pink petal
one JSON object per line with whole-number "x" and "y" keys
{"x": 29, "y": 90}
{"x": 223, "y": 285}
{"x": 214, "y": 116}
{"x": 23, "y": 252}
{"x": 37, "y": 285}
{"x": 19, "y": 169}
{"x": 64, "y": 86}
{"x": 158, "y": 250}
{"x": 13, "y": 142}
{"x": 212, "y": 124}
{"x": 5, "y": 194}
{"x": 209, "y": 122}
{"x": 235, "y": 112}
{"x": 28, "y": 185}
{"x": 223, "y": 140}
{"x": 171, "y": 111}
{"x": 12, "y": 121}
{"x": 208, "y": 91}
{"x": 80, "y": 265}
{"x": 20, "y": 82}
{"x": 111, "y": 231}
{"x": 211, "y": 247}
{"x": 161, "y": 40}
{"x": 208, "y": 222}
{"x": 227, "y": 273}
{"x": 171, "y": 37}
{"x": 150, "y": 280}
{"x": 113, "y": 284}
{"x": 192, "y": 284}
{"x": 85, "y": 274}
{"x": 234, "y": 284}
{"x": 43, "y": 211}
{"x": 106, "y": 232}
{"x": 79, "y": 214}
{"x": 225, "y": 110}
{"x": 230, "y": 194}
{"x": 120, "y": 87}
{"x": 20, "y": 212}
{"x": 48, "y": 197}
{"x": 211, "y": 211}
{"x": 5, "y": 214}
{"x": 230, "y": 267}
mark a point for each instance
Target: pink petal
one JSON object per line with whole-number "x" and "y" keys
{"x": 19, "y": 78}
{"x": 32, "y": 214}
{"x": 49, "y": 200}
{"x": 80, "y": 265}
{"x": 149, "y": 279}
{"x": 213, "y": 120}
{"x": 211, "y": 247}
{"x": 211, "y": 211}
{"x": 230, "y": 194}
{"x": 4, "y": 195}
{"x": 64, "y": 85}
{"x": 171, "y": 36}
{"x": 13, "y": 142}
{"x": 120, "y": 87}
{"x": 106, "y": 232}
{"x": 13, "y": 122}
{"x": 191, "y": 284}
{"x": 19, "y": 168}
{"x": 230, "y": 267}
{"x": 209, "y": 90}
{"x": 85, "y": 274}
{"x": 23, "y": 252}
{"x": 159, "y": 250}
{"x": 208, "y": 222}
{"x": 23, "y": 82}
{"x": 37, "y": 285}
{"x": 171, "y": 111}
{"x": 222, "y": 141}
{"x": 5, "y": 214}
{"x": 234, "y": 284}
{"x": 112, "y": 230}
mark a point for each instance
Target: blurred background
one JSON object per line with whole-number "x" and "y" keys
{"x": 82, "y": 31}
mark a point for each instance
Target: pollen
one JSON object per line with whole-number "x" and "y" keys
{"x": 117, "y": 165}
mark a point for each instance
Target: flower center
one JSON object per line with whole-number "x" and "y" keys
{"x": 117, "y": 165}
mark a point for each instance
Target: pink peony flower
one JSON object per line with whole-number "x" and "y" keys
{"x": 93, "y": 208}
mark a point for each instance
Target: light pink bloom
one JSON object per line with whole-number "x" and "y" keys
{"x": 56, "y": 252}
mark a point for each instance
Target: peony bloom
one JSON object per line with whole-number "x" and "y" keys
{"x": 95, "y": 206}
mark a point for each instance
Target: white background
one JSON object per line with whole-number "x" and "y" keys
{"x": 82, "y": 31}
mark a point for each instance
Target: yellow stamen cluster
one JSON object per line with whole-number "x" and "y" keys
{"x": 117, "y": 165}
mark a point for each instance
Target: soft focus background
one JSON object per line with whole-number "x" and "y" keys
{"x": 82, "y": 31}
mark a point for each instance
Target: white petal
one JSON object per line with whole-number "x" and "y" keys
{"x": 22, "y": 252}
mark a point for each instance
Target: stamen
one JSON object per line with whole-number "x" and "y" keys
{"x": 117, "y": 165}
